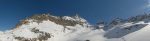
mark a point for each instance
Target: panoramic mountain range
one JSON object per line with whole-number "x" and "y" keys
{"x": 46, "y": 27}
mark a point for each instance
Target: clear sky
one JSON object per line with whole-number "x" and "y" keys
{"x": 11, "y": 11}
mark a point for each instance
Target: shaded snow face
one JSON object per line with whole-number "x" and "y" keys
{"x": 119, "y": 32}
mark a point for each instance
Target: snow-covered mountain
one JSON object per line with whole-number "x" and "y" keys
{"x": 45, "y": 27}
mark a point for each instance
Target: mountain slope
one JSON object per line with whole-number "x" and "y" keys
{"x": 140, "y": 35}
{"x": 48, "y": 28}
{"x": 45, "y": 27}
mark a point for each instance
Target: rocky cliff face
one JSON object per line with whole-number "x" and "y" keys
{"x": 61, "y": 20}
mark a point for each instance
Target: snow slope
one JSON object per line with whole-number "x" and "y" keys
{"x": 74, "y": 28}
{"x": 140, "y": 35}
{"x": 135, "y": 33}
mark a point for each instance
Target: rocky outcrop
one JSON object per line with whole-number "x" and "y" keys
{"x": 42, "y": 37}
{"x": 57, "y": 19}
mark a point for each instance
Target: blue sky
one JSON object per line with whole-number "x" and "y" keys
{"x": 11, "y": 11}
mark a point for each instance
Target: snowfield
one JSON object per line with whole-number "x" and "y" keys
{"x": 48, "y": 30}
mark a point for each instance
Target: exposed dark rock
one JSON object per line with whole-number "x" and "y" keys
{"x": 21, "y": 23}
{"x": 57, "y": 19}
{"x": 87, "y": 40}
{"x": 42, "y": 37}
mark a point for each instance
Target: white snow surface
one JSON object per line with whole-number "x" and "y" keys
{"x": 75, "y": 33}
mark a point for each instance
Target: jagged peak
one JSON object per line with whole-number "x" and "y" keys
{"x": 116, "y": 21}
{"x": 74, "y": 18}
{"x": 139, "y": 18}
{"x": 61, "y": 20}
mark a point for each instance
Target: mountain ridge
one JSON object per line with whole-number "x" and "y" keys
{"x": 45, "y": 27}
